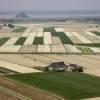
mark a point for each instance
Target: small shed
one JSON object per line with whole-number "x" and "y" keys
{"x": 74, "y": 68}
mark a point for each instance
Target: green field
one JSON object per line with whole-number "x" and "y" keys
{"x": 50, "y": 29}
{"x": 90, "y": 45}
{"x": 19, "y": 29}
{"x": 65, "y": 39}
{"x": 96, "y": 33}
{"x": 38, "y": 40}
{"x": 85, "y": 50}
{"x": 3, "y": 40}
{"x": 20, "y": 41}
{"x": 71, "y": 86}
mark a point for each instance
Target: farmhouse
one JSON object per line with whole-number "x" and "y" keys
{"x": 61, "y": 66}
{"x": 74, "y": 68}
{"x": 57, "y": 66}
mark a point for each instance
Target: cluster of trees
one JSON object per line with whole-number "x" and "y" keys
{"x": 9, "y": 25}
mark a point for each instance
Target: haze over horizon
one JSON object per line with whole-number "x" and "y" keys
{"x": 48, "y": 5}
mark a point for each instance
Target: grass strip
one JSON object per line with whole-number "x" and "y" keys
{"x": 85, "y": 50}
{"x": 38, "y": 40}
{"x": 90, "y": 45}
{"x": 3, "y": 40}
{"x": 65, "y": 39}
{"x": 96, "y": 33}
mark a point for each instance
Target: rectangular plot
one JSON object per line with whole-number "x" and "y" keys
{"x": 19, "y": 29}
{"x": 20, "y": 41}
{"x": 11, "y": 41}
{"x": 26, "y": 33}
{"x": 68, "y": 33}
{"x": 95, "y": 50}
{"x": 28, "y": 49}
{"x": 40, "y": 30}
{"x": 34, "y": 30}
{"x": 92, "y": 38}
{"x": 85, "y": 50}
{"x": 3, "y": 40}
{"x": 50, "y": 29}
{"x": 59, "y": 29}
{"x": 17, "y": 68}
{"x": 29, "y": 41}
{"x": 58, "y": 49}
{"x": 9, "y": 49}
{"x": 64, "y": 38}
{"x": 95, "y": 36}
{"x": 43, "y": 49}
{"x": 75, "y": 34}
{"x": 47, "y": 38}
{"x": 96, "y": 33}
{"x": 40, "y": 34}
{"x": 56, "y": 40}
{"x": 75, "y": 40}
{"x": 83, "y": 39}
{"x": 38, "y": 40}
{"x": 32, "y": 34}
{"x": 71, "y": 49}
{"x": 90, "y": 33}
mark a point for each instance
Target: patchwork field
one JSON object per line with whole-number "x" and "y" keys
{"x": 62, "y": 39}
{"x": 28, "y": 47}
{"x": 26, "y": 63}
{"x": 71, "y": 86}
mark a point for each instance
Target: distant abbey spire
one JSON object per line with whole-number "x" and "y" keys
{"x": 22, "y": 15}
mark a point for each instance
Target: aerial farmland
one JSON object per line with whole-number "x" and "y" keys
{"x": 45, "y": 43}
{"x": 49, "y": 49}
{"x": 39, "y": 38}
{"x": 27, "y": 49}
{"x": 49, "y": 39}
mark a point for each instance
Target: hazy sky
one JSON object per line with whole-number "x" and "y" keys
{"x": 34, "y": 5}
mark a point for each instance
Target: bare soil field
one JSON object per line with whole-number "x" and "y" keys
{"x": 5, "y": 96}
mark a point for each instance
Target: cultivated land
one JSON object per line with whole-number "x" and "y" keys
{"x": 29, "y": 46}
{"x": 90, "y": 63}
{"x": 61, "y": 38}
{"x": 19, "y": 29}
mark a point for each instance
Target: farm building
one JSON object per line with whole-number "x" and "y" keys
{"x": 61, "y": 66}
{"x": 57, "y": 66}
{"x": 74, "y": 68}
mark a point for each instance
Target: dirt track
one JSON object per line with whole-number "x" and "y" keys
{"x": 4, "y": 96}
{"x": 24, "y": 90}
